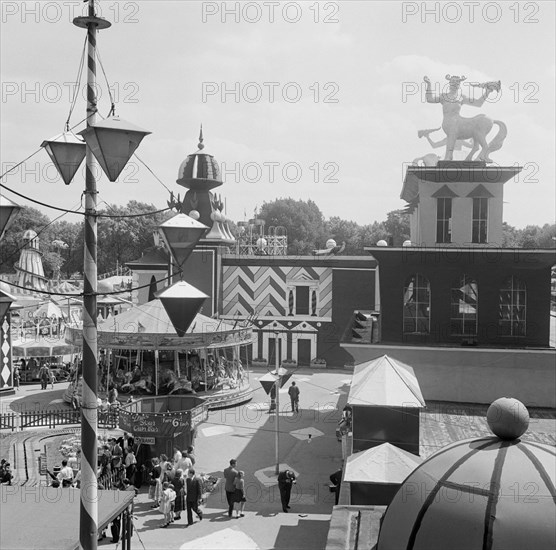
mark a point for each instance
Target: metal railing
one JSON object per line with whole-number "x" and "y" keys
{"x": 51, "y": 419}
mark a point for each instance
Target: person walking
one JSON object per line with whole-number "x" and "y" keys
{"x": 52, "y": 380}
{"x": 230, "y": 474}
{"x": 194, "y": 490}
{"x": 168, "y": 497}
{"x": 239, "y": 493}
{"x": 293, "y": 392}
{"x": 17, "y": 378}
{"x": 179, "y": 484}
{"x": 44, "y": 375}
{"x": 286, "y": 479}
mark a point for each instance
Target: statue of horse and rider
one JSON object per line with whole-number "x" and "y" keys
{"x": 458, "y": 128}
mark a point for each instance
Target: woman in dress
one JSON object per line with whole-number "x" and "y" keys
{"x": 168, "y": 497}
{"x": 239, "y": 493}
{"x": 179, "y": 485}
{"x": 155, "y": 489}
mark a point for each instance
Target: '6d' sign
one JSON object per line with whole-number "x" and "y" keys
{"x": 161, "y": 425}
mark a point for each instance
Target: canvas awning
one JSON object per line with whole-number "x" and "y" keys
{"x": 385, "y": 382}
{"x": 384, "y": 463}
{"x": 58, "y": 510}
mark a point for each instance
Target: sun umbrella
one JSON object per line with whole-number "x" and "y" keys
{"x": 269, "y": 379}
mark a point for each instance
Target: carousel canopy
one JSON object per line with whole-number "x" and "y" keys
{"x": 149, "y": 327}
{"x": 42, "y": 347}
{"x": 385, "y": 382}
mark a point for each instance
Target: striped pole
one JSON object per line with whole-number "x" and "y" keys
{"x": 88, "y": 515}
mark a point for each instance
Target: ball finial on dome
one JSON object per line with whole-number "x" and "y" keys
{"x": 508, "y": 418}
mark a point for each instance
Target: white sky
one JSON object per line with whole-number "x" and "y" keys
{"x": 160, "y": 55}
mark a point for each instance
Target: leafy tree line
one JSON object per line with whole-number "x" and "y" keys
{"x": 307, "y": 229}
{"x": 124, "y": 239}
{"x": 120, "y": 240}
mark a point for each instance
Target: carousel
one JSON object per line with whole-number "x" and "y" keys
{"x": 141, "y": 355}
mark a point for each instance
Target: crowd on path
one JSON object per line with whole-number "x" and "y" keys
{"x": 175, "y": 486}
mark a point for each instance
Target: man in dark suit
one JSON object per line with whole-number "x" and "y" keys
{"x": 285, "y": 481}
{"x": 194, "y": 488}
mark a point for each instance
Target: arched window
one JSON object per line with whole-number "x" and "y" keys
{"x": 464, "y": 307}
{"x": 512, "y": 307}
{"x": 416, "y": 305}
{"x": 152, "y": 289}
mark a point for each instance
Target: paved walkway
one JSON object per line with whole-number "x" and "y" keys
{"x": 247, "y": 433}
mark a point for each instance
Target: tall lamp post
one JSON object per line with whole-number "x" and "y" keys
{"x": 111, "y": 142}
{"x": 277, "y": 388}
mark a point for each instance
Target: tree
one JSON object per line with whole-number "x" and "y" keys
{"x": 303, "y": 221}
{"x": 124, "y": 239}
{"x": 344, "y": 231}
{"x": 397, "y": 227}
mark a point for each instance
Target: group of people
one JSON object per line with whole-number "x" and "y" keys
{"x": 175, "y": 486}
{"x": 235, "y": 489}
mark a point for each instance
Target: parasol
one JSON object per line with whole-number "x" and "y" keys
{"x": 269, "y": 379}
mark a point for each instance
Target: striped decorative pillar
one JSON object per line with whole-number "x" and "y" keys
{"x": 89, "y": 500}
{"x": 88, "y": 514}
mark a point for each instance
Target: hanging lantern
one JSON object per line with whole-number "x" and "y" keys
{"x": 67, "y": 152}
{"x": 181, "y": 233}
{"x": 113, "y": 141}
{"x": 8, "y": 210}
{"x": 182, "y": 302}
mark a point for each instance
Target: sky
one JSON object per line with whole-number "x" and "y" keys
{"x": 309, "y": 100}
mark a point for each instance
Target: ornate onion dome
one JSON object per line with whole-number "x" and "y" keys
{"x": 199, "y": 171}
{"x": 491, "y": 492}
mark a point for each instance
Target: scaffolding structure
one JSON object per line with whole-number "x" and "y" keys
{"x": 252, "y": 239}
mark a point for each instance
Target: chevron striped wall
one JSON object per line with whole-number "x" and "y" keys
{"x": 264, "y": 289}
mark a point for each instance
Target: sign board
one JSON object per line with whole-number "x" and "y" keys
{"x": 154, "y": 425}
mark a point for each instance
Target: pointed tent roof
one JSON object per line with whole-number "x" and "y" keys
{"x": 385, "y": 382}
{"x": 384, "y": 463}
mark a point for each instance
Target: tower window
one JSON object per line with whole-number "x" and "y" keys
{"x": 444, "y": 220}
{"x": 480, "y": 219}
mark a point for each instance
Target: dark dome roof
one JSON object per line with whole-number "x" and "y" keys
{"x": 481, "y": 493}
{"x": 199, "y": 170}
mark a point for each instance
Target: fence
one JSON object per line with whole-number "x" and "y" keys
{"x": 51, "y": 419}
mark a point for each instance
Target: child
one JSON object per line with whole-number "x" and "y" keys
{"x": 168, "y": 496}
{"x": 52, "y": 380}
